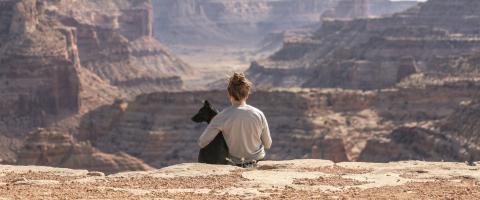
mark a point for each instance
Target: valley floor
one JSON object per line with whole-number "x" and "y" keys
{"x": 296, "y": 179}
{"x": 213, "y": 63}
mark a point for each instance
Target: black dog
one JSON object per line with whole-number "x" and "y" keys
{"x": 217, "y": 151}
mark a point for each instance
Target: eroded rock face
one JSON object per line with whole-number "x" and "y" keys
{"x": 380, "y": 52}
{"x": 327, "y": 124}
{"x": 417, "y": 144}
{"x": 239, "y": 22}
{"x": 50, "y": 148}
{"x": 213, "y": 34}
{"x": 157, "y": 128}
{"x": 454, "y": 138}
{"x": 213, "y": 22}
{"x": 119, "y": 47}
{"x": 330, "y": 149}
{"x": 61, "y": 58}
{"x": 54, "y": 51}
{"x": 39, "y": 70}
{"x": 464, "y": 124}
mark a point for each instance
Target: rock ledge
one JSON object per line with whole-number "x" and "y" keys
{"x": 294, "y": 179}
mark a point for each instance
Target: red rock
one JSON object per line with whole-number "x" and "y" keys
{"x": 50, "y": 148}
{"x": 380, "y": 52}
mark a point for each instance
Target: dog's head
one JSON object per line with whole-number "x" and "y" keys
{"x": 205, "y": 114}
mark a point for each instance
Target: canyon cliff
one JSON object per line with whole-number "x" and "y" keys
{"x": 246, "y": 22}
{"x": 60, "y": 59}
{"x": 335, "y": 124}
{"x": 378, "y": 52}
{"x": 222, "y": 36}
{"x": 214, "y": 22}
{"x": 107, "y": 93}
{"x": 115, "y": 41}
{"x": 51, "y": 148}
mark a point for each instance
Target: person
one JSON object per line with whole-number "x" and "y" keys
{"x": 244, "y": 127}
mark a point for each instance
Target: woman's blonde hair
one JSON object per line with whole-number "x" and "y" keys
{"x": 239, "y": 86}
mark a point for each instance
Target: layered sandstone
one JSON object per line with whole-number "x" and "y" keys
{"x": 223, "y": 36}
{"x": 118, "y": 45}
{"x": 407, "y": 143}
{"x": 463, "y": 125}
{"x": 450, "y": 138}
{"x": 39, "y": 71}
{"x": 241, "y": 22}
{"x": 379, "y": 52}
{"x": 61, "y": 59}
{"x": 292, "y": 179}
{"x": 339, "y": 125}
{"x": 51, "y": 148}
{"x": 214, "y": 22}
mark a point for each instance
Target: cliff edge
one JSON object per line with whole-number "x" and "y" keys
{"x": 295, "y": 179}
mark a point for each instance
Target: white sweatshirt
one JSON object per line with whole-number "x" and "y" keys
{"x": 245, "y": 130}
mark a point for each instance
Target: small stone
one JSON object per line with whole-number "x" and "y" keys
{"x": 95, "y": 173}
{"x": 22, "y": 179}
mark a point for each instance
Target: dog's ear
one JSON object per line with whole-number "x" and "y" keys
{"x": 207, "y": 103}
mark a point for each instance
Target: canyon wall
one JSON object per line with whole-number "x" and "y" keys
{"x": 115, "y": 41}
{"x": 452, "y": 138}
{"x": 80, "y": 44}
{"x": 60, "y": 59}
{"x": 56, "y": 54}
{"x": 339, "y": 125}
{"x": 51, "y": 148}
{"x": 224, "y": 36}
{"x": 39, "y": 68}
{"x": 247, "y": 22}
{"x": 464, "y": 124}
{"x": 379, "y": 52}
{"x": 238, "y": 22}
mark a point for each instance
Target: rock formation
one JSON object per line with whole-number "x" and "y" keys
{"x": 453, "y": 138}
{"x": 62, "y": 58}
{"x": 63, "y": 63}
{"x": 292, "y": 179}
{"x": 464, "y": 123}
{"x": 50, "y": 148}
{"x": 241, "y": 22}
{"x": 328, "y": 124}
{"x": 213, "y": 22}
{"x": 224, "y": 36}
{"x": 417, "y": 144}
{"x": 39, "y": 71}
{"x": 379, "y": 52}
{"x": 52, "y": 52}
{"x": 119, "y": 47}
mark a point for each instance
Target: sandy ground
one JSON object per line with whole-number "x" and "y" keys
{"x": 296, "y": 179}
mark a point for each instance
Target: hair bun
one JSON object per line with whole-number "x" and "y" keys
{"x": 239, "y": 86}
{"x": 238, "y": 79}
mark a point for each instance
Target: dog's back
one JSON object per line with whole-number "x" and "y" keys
{"x": 217, "y": 151}
{"x": 214, "y": 153}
